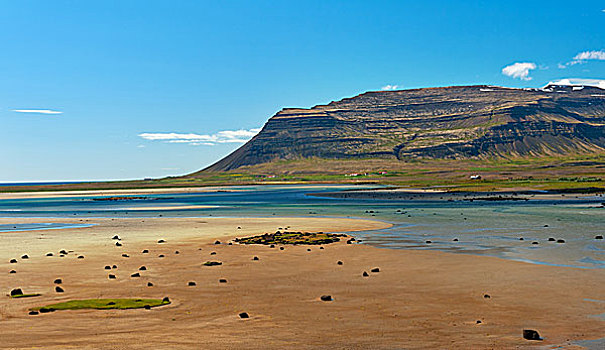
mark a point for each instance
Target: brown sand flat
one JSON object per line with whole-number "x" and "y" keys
{"x": 418, "y": 300}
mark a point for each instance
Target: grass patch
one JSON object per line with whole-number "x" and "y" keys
{"x": 25, "y": 295}
{"x": 292, "y": 238}
{"x": 105, "y": 304}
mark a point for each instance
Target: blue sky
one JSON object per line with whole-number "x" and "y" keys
{"x": 93, "y": 89}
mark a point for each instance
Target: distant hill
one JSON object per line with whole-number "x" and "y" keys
{"x": 458, "y": 122}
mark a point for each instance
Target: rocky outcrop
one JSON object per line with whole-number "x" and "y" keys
{"x": 460, "y": 122}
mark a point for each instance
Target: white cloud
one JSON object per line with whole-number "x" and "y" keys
{"x": 589, "y": 55}
{"x": 40, "y": 111}
{"x": 519, "y": 70}
{"x": 225, "y": 136}
{"x": 389, "y": 87}
{"x": 600, "y": 83}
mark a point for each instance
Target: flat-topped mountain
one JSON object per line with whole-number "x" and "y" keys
{"x": 458, "y": 122}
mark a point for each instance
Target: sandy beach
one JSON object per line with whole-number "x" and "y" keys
{"x": 418, "y": 300}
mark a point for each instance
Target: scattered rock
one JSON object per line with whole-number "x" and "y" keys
{"x": 125, "y": 255}
{"x": 44, "y": 310}
{"x": 308, "y": 249}
{"x": 116, "y": 237}
{"x": 243, "y": 315}
{"x": 25, "y": 256}
{"x": 321, "y": 247}
{"x": 136, "y": 274}
{"x": 191, "y": 284}
{"x": 58, "y": 281}
{"x": 16, "y": 291}
{"x": 63, "y": 251}
{"x": 12, "y": 271}
{"x": 530, "y": 334}
{"x": 339, "y": 262}
{"x": 478, "y": 321}
{"x": 161, "y": 256}
{"x": 551, "y": 239}
{"x": 118, "y": 244}
{"x": 176, "y": 252}
{"x": 598, "y": 237}
{"x": 239, "y": 227}
{"x": 545, "y": 225}
{"x": 147, "y": 307}
{"x": 49, "y": 254}
{"x": 230, "y": 243}
{"x": 365, "y": 274}
{"x": 80, "y": 256}
{"x": 33, "y": 313}
{"x": 13, "y": 261}
{"x": 326, "y": 298}
{"x": 161, "y": 241}
{"x": 59, "y": 289}
{"x": 111, "y": 276}
{"x": 107, "y": 267}
{"x": 114, "y": 267}
{"x": 111, "y": 303}
{"x": 560, "y": 241}
{"x": 534, "y": 242}
{"x": 520, "y": 238}
{"x": 255, "y": 258}
{"x": 272, "y": 246}
{"x": 217, "y": 242}
{"x": 212, "y": 263}
{"x": 143, "y": 268}
{"x": 428, "y": 242}
{"x": 281, "y": 248}
{"x": 165, "y": 300}
{"x": 486, "y": 296}
{"x": 145, "y": 251}
{"x": 455, "y": 240}
{"x": 222, "y": 280}
{"x": 376, "y": 269}
{"x": 149, "y": 284}
{"x": 212, "y": 253}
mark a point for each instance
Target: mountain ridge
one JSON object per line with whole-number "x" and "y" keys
{"x": 453, "y": 122}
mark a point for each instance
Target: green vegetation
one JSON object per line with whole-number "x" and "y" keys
{"x": 25, "y": 295}
{"x": 103, "y": 304}
{"x": 292, "y": 238}
{"x": 212, "y": 263}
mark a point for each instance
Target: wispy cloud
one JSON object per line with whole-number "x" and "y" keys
{"x": 390, "y": 87}
{"x": 39, "y": 111}
{"x": 225, "y": 136}
{"x": 582, "y": 57}
{"x": 519, "y": 70}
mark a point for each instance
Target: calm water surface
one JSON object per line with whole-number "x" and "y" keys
{"x": 486, "y": 228}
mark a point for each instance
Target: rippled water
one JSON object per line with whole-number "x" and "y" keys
{"x": 487, "y": 228}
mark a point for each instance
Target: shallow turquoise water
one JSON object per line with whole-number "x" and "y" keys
{"x": 486, "y": 228}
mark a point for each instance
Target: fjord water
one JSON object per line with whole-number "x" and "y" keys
{"x": 492, "y": 228}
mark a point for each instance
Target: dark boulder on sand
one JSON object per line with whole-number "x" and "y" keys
{"x": 58, "y": 281}
{"x": 149, "y": 284}
{"x": 111, "y": 276}
{"x": 147, "y": 307}
{"x": 49, "y": 254}
{"x": 145, "y": 251}
{"x": 13, "y": 261}
{"x": 212, "y": 253}
{"x": 114, "y": 267}
{"x": 125, "y": 255}
{"x": 551, "y": 239}
{"x": 455, "y": 240}
{"x": 222, "y": 280}
{"x": 118, "y": 244}
{"x": 243, "y": 315}
{"x": 530, "y": 334}
{"x": 161, "y": 241}
{"x": 191, "y": 284}
{"x": 365, "y": 274}
{"x": 255, "y": 258}
{"x": 339, "y": 262}
{"x": 598, "y": 237}
{"x": 326, "y": 298}
{"x": 166, "y": 300}
{"x": 281, "y": 248}
{"x": 142, "y": 268}
{"x": 107, "y": 267}
{"x": 25, "y": 256}
{"x": 217, "y": 242}
{"x": 136, "y": 274}
{"x": 486, "y": 296}
{"x": 63, "y": 251}
{"x": 16, "y": 292}
{"x": 116, "y": 237}
{"x": 80, "y": 256}
{"x": 33, "y": 313}
{"x": 59, "y": 289}
{"x": 212, "y": 263}
{"x": 560, "y": 241}
{"x": 12, "y": 271}
{"x": 376, "y": 269}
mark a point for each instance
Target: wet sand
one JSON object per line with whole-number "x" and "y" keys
{"x": 418, "y": 300}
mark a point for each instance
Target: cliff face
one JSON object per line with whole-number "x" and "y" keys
{"x": 459, "y": 122}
